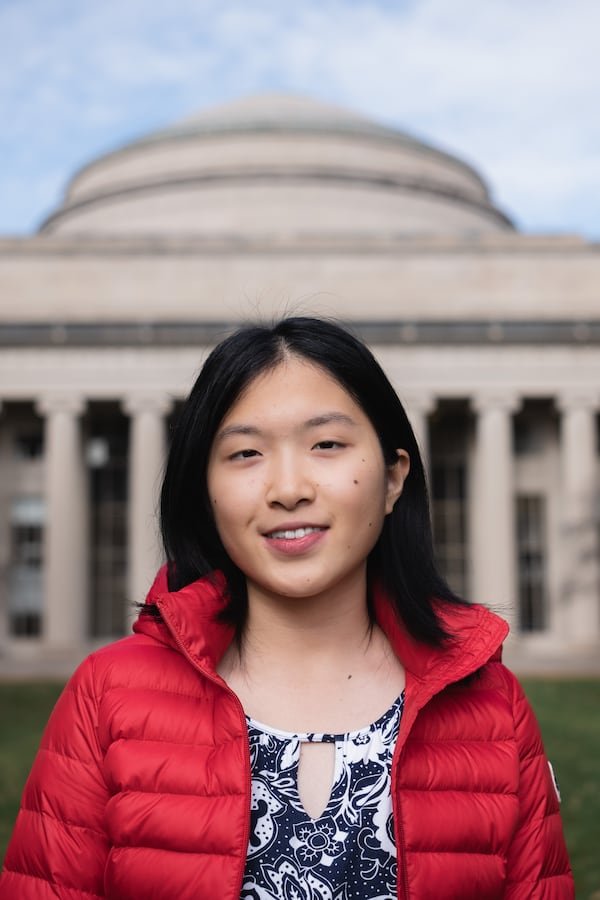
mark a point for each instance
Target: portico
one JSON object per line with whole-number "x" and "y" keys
{"x": 497, "y": 474}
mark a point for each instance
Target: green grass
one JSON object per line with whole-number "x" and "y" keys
{"x": 568, "y": 712}
{"x": 569, "y": 715}
{"x": 24, "y": 709}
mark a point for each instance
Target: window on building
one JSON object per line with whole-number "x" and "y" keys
{"x": 449, "y": 521}
{"x": 532, "y": 555}
{"x": 27, "y": 546}
{"x": 25, "y": 577}
{"x": 107, "y": 461}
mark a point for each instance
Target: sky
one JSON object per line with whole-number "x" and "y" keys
{"x": 510, "y": 86}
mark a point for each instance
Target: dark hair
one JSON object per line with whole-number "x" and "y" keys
{"x": 402, "y": 560}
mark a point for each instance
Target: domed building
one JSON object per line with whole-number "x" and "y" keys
{"x": 308, "y": 169}
{"x": 278, "y": 204}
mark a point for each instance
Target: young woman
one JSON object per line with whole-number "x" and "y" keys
{"x": 305, "y": 711}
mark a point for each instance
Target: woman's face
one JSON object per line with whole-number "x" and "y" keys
{"x": 298, "y": 484}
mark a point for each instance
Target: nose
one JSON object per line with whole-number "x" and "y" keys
{"x": 289, "y": 482}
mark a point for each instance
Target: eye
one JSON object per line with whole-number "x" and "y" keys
{"x": 328, "y": 445}
{"x": 244, "y": 454}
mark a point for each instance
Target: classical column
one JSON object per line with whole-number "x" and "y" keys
{"x": 492, "y": 526}
{"x": 580, "y": 613}
{"x": 147, "y": 445}
{"x": 66, "y": 559}
{"x": 419, "y": 407}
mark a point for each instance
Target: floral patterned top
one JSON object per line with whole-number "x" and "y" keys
{"x": 349, "y": 852}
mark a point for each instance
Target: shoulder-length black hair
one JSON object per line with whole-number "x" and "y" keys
{"x": 402, "y": 561}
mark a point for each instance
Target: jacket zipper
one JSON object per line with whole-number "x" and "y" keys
{"x": 401, "y": 852}
{"x": 224, "y": 687}
{"x": 402, "y": 880}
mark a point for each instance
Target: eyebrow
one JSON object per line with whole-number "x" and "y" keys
{"x": 328, "y": 419}
{"x": 232, "y": 430}
{"x": 314, "y": 422}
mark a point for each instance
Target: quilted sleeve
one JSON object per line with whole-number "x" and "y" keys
{"x": 538, "y": 863}
{"x": 59, "y": 845}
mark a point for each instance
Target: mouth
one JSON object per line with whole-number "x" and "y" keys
{"x": 293, "y": 534}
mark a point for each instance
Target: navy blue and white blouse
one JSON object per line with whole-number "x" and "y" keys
{"x": 348, "y": 853}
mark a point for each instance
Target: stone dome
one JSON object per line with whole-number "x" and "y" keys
{"x": 278, "y": 167}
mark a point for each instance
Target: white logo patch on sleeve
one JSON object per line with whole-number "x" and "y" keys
{"x": 554, "y": 781}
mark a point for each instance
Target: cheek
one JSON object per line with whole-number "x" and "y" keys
{"x": 227, "y": 529}
{"x": 233, "y": 502}
{"x": 218, "y": 499}
{"x": 370, "y": 480}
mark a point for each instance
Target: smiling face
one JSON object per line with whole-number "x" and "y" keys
{"x": 298, "y": 485}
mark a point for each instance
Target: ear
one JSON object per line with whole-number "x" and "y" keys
{"x": 395, "y": 478}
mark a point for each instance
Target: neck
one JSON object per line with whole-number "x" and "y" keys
{"x": 317, "y": 633}
{"x": 308, "y": 632}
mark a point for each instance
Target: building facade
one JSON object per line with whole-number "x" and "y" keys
{"x": 264, "y": 207}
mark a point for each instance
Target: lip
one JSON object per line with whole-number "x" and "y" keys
{"x": 292, "y": 526}
{"x": 294, "y": 546}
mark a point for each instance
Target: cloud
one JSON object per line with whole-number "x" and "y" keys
{"x": 510, "y": 86}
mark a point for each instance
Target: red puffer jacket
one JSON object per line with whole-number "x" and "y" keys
{"x": 141, "y": 788}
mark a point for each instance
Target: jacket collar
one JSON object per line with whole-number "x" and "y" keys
{"x": 190, "y": 622}
{"x": 189, "y": 619}
{"x": 477, "y": 638}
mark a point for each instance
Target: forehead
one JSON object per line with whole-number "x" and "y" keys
{"x": 294, "y": 388}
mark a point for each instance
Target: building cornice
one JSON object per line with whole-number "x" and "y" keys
{"x": 384, "y": 332}
{"x": 317, "y": 244}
